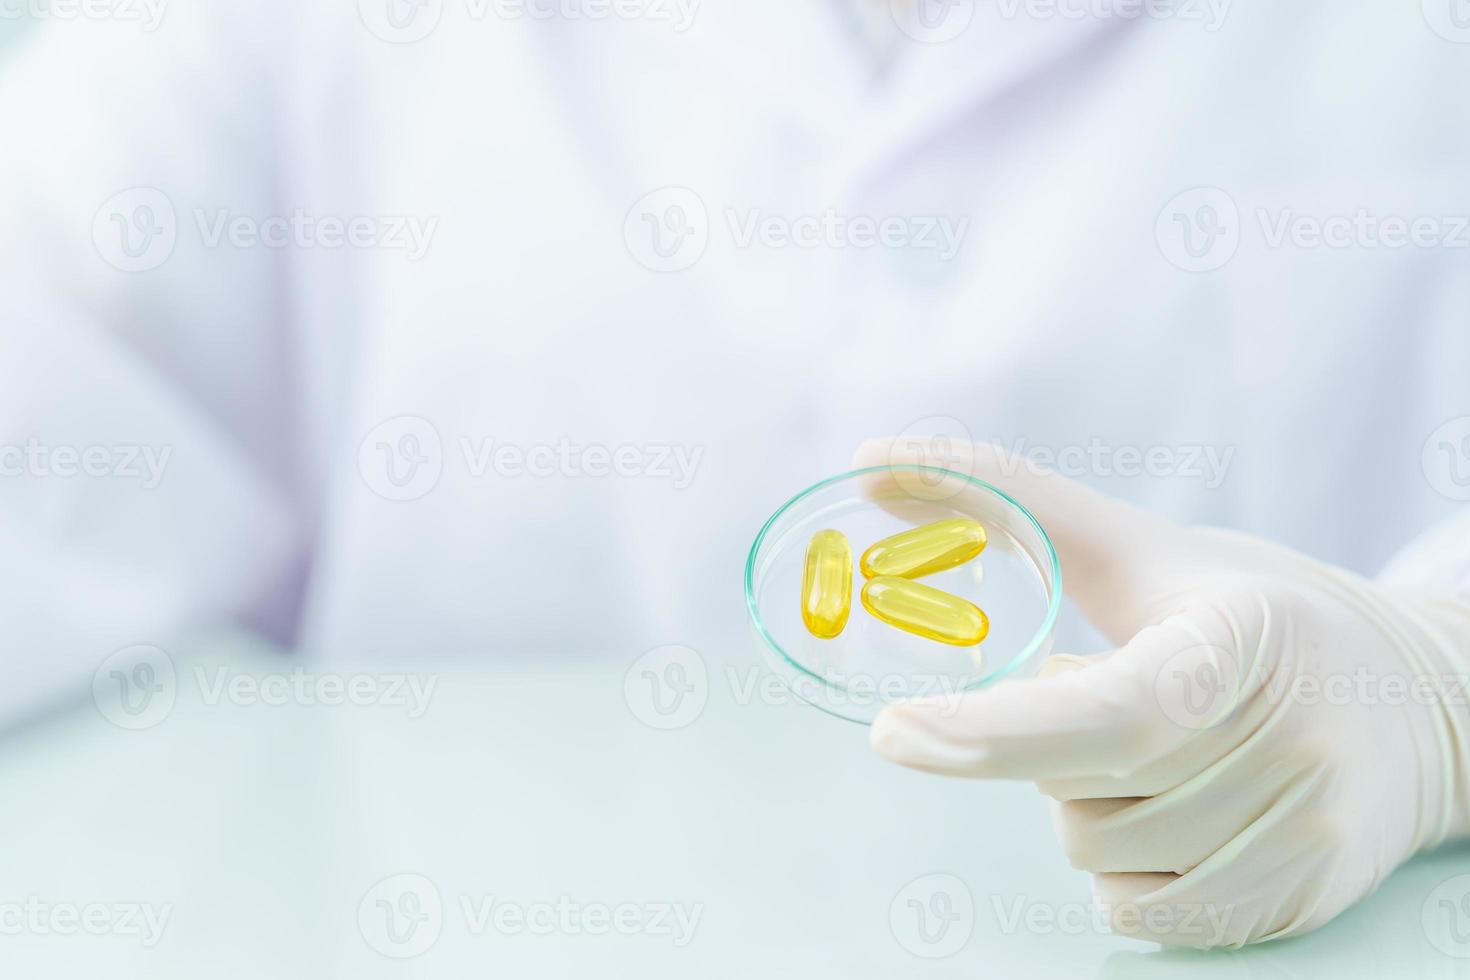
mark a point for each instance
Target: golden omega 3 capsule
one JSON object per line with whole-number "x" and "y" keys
{"x": 925, "y": 610}
{"x": 826, "y": 584}
{"x": 925, "y": 550}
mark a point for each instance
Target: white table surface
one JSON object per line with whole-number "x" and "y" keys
{"x": 260, "y": 830}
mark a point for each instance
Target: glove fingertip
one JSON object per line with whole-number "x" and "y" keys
{"x": 1063, "y": 663}
{"x": 911, "y": 733}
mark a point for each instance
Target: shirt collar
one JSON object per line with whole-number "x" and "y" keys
{"x": 948, "y": 59}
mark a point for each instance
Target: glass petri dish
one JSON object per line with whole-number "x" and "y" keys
{"x": 1017, "y": 580}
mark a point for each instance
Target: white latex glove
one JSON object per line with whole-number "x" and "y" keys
{"x": 1272, "y": 737}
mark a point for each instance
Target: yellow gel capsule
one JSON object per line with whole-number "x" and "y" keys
{"x": 925, "y": 610}
{"x": 826, "y": 584}
{"x": 925, "y": 550}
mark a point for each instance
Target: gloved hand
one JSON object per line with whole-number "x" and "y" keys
{"x": 1271, "y": 737}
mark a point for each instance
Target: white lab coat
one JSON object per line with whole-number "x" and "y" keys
{"x": 1317, "y": 373}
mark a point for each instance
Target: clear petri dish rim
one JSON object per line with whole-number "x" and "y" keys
{"x": 1054, "y": 600}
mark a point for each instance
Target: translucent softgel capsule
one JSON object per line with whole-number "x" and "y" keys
{"x": 925, "y": 610}
{"x": 925, "y": 550}
{"x": 826, "y": 584}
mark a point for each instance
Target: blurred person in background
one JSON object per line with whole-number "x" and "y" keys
{"x": 494, "y": 329}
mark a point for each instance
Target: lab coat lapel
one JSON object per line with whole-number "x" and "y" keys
{"x": 934, "y": 88}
